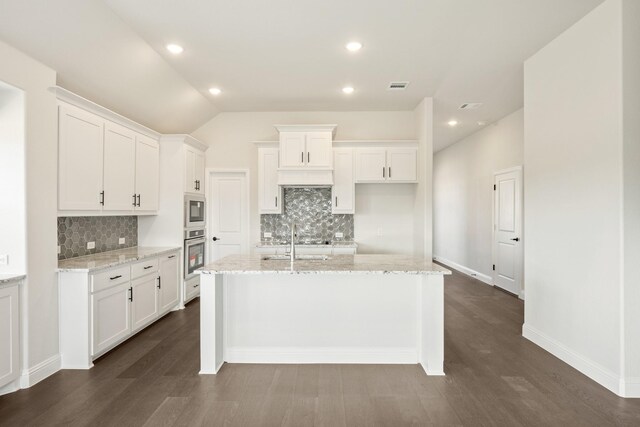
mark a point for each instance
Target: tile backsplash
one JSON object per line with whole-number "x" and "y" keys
{"x": 310, "y": 209}
{"x": 105, "y": 231}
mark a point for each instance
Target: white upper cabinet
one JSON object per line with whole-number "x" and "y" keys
{"x": 398, "y": 165}
{"x": 343, "y": 190}
{"x": 306, "y": 146}
{"x": 80, "y": 159}
{"x": 319, "y": 149}
{"x": 194, "y": 170}
{"x": 293, "y": 149}
{"x": 147, "y": 176}
{"x": 119, "y": 167}
{"x": 269, "y": 192}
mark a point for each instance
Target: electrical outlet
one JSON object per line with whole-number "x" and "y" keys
{"x": 59, "y": 250}
{"x": 339, "y": 235}
{"x": 121, "y": 240}
{"x": 91, "y": 245}
{"x": 267, "y": 235}
{"x": 4, "y": 259}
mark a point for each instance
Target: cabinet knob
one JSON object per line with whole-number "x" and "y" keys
{"x": 215, "y": 239}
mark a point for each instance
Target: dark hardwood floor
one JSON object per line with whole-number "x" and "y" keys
{"x": 494, "y": 377}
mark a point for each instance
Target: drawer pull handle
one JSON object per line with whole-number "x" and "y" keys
{"x": 148, "y": 267}
{"x": 172, "y": 256}
{"x": 131, "y": 294}
{"x": 115, "y": 277}
{"x": 195, "y": 286}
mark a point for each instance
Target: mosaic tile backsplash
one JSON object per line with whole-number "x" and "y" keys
{"x": 75, "y": 232}
{"x": 310, "y": 209}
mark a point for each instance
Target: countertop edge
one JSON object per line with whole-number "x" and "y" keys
{"x": 383, "y": 272}
{"x": 115, "y": 263}
{"x": 11, "y": 278}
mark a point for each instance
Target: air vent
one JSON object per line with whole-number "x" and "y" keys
{"x": 470, "y": 105}
{"x": 398, "y": 85}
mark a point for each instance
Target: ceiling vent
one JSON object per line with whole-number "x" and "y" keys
{"x": 470, "y": 105}
{"x": 398, "y": 85}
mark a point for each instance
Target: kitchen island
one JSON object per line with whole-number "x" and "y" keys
{"x": 338, "y": 309}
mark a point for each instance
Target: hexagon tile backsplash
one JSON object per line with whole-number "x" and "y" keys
{"x": 75, "y": 232}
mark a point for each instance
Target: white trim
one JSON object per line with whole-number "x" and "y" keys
{"x": 630, "y": 387}
{"x": 306, "y": 128}
{"x": 373, "y": 355}
{"x": 593, "y": 370}
{"x": 465, "y": 270}
{"x": 266, "y": 143}
{"x": 521, "y": 296}
{"x": 71, "y": 98}
{"x": 40, "y": 371}
{"x": 507, "y": 170}
{"x": 10, "y": 387}
{"x": 185, "y": 139}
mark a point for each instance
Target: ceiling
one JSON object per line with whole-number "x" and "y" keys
{"x": 289, "y": 55}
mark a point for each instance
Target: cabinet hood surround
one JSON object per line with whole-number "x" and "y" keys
{"x": 306, "y": 155}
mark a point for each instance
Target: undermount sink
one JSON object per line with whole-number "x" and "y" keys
{"x": 298, "y": 257}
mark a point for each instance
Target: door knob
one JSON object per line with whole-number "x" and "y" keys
{"x": 215, "y": 239}
{"x": 517, "y": 239}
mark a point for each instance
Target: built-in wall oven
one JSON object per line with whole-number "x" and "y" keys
{"x": 194, "y": 251}
{"x": 194, "y": 212}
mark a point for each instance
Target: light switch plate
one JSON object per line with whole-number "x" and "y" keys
{"x": 267, "y": 235}
{"x": 339, "y": 235}
{"x": 4, "y": 259}
{"x": 91, "y": 245}
{"x": 121, "y": 240}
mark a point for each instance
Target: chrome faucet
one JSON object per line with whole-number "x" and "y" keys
{"x": 292, "y": 250}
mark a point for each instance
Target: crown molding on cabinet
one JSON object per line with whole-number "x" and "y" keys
{"x": 307, "y": 128}
{"x": 187, "y": 139}
{"x": 345, "y": 143}
{"x": 71, "y": 98}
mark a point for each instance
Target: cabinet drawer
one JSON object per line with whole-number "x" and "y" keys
{"x": 143, "y": 267}
{"x": 106, "y": 279}
{"x": 191, "y": 288}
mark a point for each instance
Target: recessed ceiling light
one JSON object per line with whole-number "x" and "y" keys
{"x": 348, "y": 89}
{"x": 452, "y": 123}
{"x": 353, "y": 46}
{"x": 482, "y": 123}
{"x": 215, "y": 91}
{"x": 174, "y": 48}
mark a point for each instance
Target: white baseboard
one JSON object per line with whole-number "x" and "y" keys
{"x": 593, "y": 370}
{"x": 630, "y": 387}
{"x": 521, "y": 296}
{"x": 11, "y": 387}
{"x": 469, "y": 272}
{"x": 42, "y": 370}
{"x": 378, "y": 355}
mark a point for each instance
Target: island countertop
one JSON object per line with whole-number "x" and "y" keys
{"x": 336, "y": 264}
{"x": 109, "y": 259}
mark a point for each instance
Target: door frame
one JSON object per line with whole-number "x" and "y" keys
{"x": 520, "y": 249}
{"x": 246, "y": 218}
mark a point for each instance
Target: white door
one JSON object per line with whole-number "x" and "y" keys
{"x": 144, "y": 301}
{"x": 168, "y": 287}
{"x": 269, "y": 192}
{"x": 292, "y": 149}
{"x": 147, "y": 173}
{"x": 111, "y": 316}
{"x": 402, "y": 164}
{"x": 80, "y": 159}
{"x": 198, "y": 170}
{"x": 119, "y": 167}
{"x": 343, "y": 190}
{"x": 371, "y": 165}
{"x": 228, "y": 214}
{"x": 319, "y": 148}
{"x": 507, "y": 248}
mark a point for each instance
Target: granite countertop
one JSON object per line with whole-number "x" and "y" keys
{"x": 109, "y": 259}
{"x": 341, "y": 264}
{"x": 11, "y": 277}
{"x": 278, "y": 244}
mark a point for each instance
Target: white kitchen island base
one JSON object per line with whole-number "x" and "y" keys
{"x": 318, "y": 313}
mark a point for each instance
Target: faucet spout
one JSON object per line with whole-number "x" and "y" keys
{"x": 292, "y": 251}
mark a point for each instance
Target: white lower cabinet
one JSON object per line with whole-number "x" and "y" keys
{"x": 191, "y": 288}
{"x": 100, "y": 310}
{"x": 9, "y": 336}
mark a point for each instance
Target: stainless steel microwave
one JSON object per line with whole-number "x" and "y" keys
{"x": 194, "y": 212}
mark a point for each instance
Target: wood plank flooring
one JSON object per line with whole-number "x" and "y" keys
{"x": 494, "y": 378}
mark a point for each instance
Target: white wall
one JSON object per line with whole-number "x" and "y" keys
{"x": 463, "y": 176}
{"x": 12, "y": 179}
{"x": 581, "y": 197}
{"x": 378, "y": 207}
{"x": 39, "y": 309}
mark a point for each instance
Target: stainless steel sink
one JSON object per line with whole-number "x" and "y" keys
{"x": 298, "y": 257}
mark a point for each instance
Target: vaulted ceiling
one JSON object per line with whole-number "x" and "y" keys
{"x": 289, "y": 55}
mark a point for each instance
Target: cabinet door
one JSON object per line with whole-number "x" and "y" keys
{"x": 147, "y": 173}
{"x": 110, "y": 317}
{"x": 144, "y": 301}
{"x": 119, "y": 167}
{"x": 343, "y": 190}
{"x": 189, "y": 170}
{"x": 80, "y": 159}
{"x": 270, "y": 193}
{"x": 371, "y": 165}
{"x": 292, "y": 149}
{"x": 169, "y": 290}
{"x": 9, "y": 335}
{"x": 319, "y": 149}
{"x": 198, "y": 170}
{"x": 402, "y": 164}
